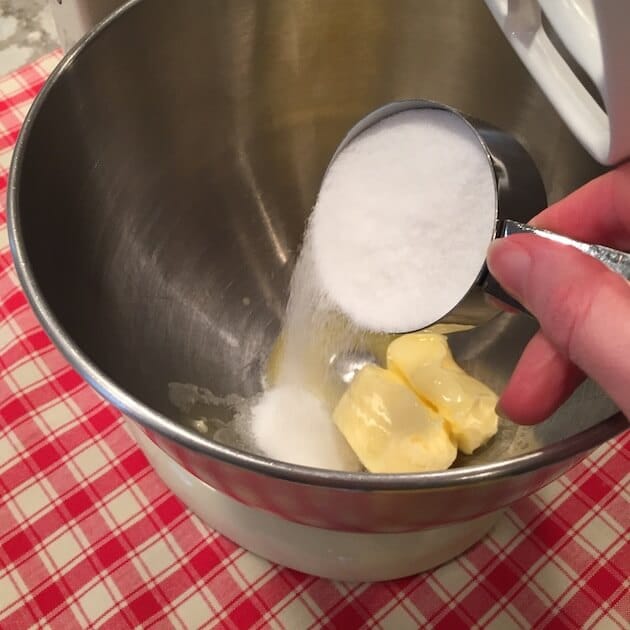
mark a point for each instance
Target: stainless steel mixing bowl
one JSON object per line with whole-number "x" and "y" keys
{"x": 158, "y": 195}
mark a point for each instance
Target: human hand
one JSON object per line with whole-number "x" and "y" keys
{"x": 583, "y": 308}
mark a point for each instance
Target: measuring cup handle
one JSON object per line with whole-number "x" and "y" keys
{"x": 615, "y": 260}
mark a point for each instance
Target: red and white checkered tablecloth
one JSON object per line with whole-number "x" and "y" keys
{"x": 89, "y": 536}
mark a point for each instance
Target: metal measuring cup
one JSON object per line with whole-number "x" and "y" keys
{"x": 520, "y": 196}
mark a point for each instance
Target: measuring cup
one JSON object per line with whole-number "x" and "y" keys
{"x": 520, "y": 195}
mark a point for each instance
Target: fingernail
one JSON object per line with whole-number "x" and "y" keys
{"x": 509, "y": 263}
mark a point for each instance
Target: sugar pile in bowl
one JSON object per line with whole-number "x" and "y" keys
{"x": 396, "y": 239}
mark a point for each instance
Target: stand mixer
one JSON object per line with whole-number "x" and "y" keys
{"x": 587, "y": 40}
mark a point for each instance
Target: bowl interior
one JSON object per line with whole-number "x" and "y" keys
{"x": 169, "y": 170}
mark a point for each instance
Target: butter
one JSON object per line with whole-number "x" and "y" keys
{"x": 389, "y": 428}
{"x": 425, "y": 362}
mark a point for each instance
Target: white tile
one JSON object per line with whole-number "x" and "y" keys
{"x": 504, "y": 533}
{"x": 7, "y": 335}
{"x": 12, "y": 276}
{"x": 175, "y": 623}
{"x": 251, "y": 567}
{"x": 79, "y": 615}
{"x": 552, "y": 580}
{"x": 194, "y": 612}
{"x": 57, "y": 416}
{"x": 606, "y": 619}
{"x": 96, "y": 602}
{"x": 451, "y": 577}
{"x": 21, "y": 110}
{"x": 9, "y": 594}
{"x": 123, "y": 507}
{"x": 5, "y": 159}
{"x": 63, "y": 549}
{"x": 503, "y": 621}
{"x": 31, "y": 500}
{"x": 295, "y": 615}
{"x": 619, "y": 619}
{"x": 599, "y": 534}
{"x": 4, "y": 239}
{"x": 551, "y": 492}
{"x": 398, "y": 618}
{"x": 608, "y": 623}
{"x": 26, "y": 375}
{"x": 49, "y": 63}
{"x": 7, "y": 451}
{"x": 11, "y": 85}
{"x": 90, "y": 460}
{"x": 517, "y": 615}
{"x": 157, "y": 558}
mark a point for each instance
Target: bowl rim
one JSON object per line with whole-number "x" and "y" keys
{"x": 152, "y": 420}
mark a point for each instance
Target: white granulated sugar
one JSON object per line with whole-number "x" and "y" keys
{"x": 292, "y": 421}
{"x": 403, "y": 220}
{"x": 291, "y": 425}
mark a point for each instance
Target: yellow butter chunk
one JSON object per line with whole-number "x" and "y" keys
{"x": 389, "y": 428}
{"x": 425, "y": 362}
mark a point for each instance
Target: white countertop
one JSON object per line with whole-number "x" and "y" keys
{"x": 27, "y": 31}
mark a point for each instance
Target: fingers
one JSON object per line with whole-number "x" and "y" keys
{"x": 565, "y": 304}
{"x": 542, "y": 381}
{"x": 599, "y": 212}
{"x": 582, "y": 307}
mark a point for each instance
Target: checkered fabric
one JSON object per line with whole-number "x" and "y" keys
{"x": 90, "y": 537}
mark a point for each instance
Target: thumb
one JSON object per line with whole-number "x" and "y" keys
{"x": 583, "y": 308}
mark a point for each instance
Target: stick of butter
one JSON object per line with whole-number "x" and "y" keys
{"x": 425, "y": 362}
{"x": 389, "y": 428}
